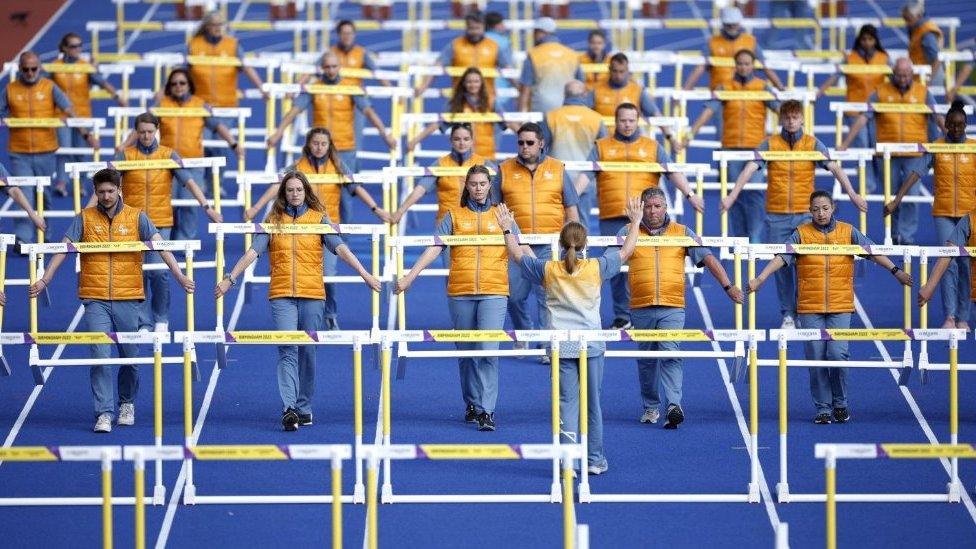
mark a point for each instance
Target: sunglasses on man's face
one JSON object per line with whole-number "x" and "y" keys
{"x": 525, "y": 143}
{"x": 73, "y": 46}
{"x": 29, "y": 69}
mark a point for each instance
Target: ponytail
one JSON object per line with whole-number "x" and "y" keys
{"x": 569, "y": 261}
{"x": 572, "y": 239}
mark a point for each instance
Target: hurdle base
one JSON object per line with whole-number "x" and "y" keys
{"x": 189, "y": 494}
{"x": 359, "y": 494}
{"x": 583, "y": 491}
{"x": 67, "y": 501}
{"x": 782, "y": 492}
{"x": 387, "y": 494}
{"x": 955, "y": 492}
{"x": 468, "y": 498}
{"x": 754, "y": 492}
{"x": 159, "y": 495}
{"x": 872, "y": 498}
{"x": 669, "y": 498}
{"x": 555, "y": 493}
{"x": 269, "y": 499}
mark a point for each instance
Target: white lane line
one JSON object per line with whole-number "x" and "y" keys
{"x": 174, "y": 499}
{"x": 739, "y": 417}
{"x": 36, "y": 392}
{"x": 135, "y": 35}
{"x": 910, "y": 400}
{"x": 898, "y": 32}
{"x": 697, "y": 14}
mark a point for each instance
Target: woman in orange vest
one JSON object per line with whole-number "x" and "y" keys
{"x": 596, "y": 53}
{"x": 110, "y": 287}
{"x": 319, "y": 156}
{"x": 955, "y": 197}
{"x": 867, "y": 51}
{"x": 826, "y": 299}
{"x": 477, "y": 289}
{"x": 572, "y": 285}
{"x": 471, "y": 95}
{"x": 77, "y": 86}
{"x": 296, "y": 291}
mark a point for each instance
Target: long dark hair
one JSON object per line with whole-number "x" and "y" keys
{"x": 189, "y": 81}
{"x": 63, "y": 44}
{"x": 458, "y": 101}
{"x": 869, "y": 30}
{"x": 572, "y": 238}
{"x": 474, "y": 170}
{"x": 331, "y": 154}
{"x": 277, "y": 213}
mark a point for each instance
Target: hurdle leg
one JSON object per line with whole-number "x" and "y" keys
{"x": 385, "y": 397}
{"x": 569, "y": 522}
{"x": 723, "y": 180}
{"x": 159, "y": 489}
{"x": 76, "y": 190}
{"x": 700, "y": 191}
{"x": 554, "y": 494}
{"x": 189, "y": 490}
{"x": 584, "y": 431}
{"x": 139, "y": 469}
{"x": 357, "y": 400}
{"x": 371, "y": 507}
{"x": 751, "y": 274}
{"x": 190, "y": 317}
{"x": 32, "y": 278}
{"x": 862, "y": 184}
{"x": 923, "y": 319}
{"x": 783, "y": 487}
{"x": 954, "y": 484}
{"x": 106, "y": 500}
{"x": 336, "y": 502}
{"x": 838, "y": 128}
{"x": 737, "y": 273}
{"x": 753, "y": 420}
{"x": 375, "y": 271}
{"x": 907, "y": 358}
{"x": 830, "y": 471}
{"x": 887, "y": 195}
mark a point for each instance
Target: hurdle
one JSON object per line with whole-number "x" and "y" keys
{"x": 5, "y": 240}
{"x": 564, "y": 453}
{"x": 387, "y": 338}
{"x": 924, "y": 253}
{"x": 739, "y": 337}
{"x": 831, "y": 453}
{"x": 39, "y": 183}
{"x": 412, "y": 120}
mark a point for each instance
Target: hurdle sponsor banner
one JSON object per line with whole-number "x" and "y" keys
{"x": 743, "y": 95}
{"x": 151, "y": 453}
{"x": 927, "y": 451}
{"x": 900, "y": 108}
{"x": 319, "y": 451}
{"x": 58, "y": 338}
{"x": 271, "y": 228}
{"x": 295, "y": 336}
{"x": 213, "y": 60}
{"x": 416, "y": 336}
{"x": 631, "y": 167}
{"x": 434, "y": 171}
{"x": 29, "y": 453}
{"x": 795, "y": 156}
{"x": 468, "y": 335}
{"x": 179, "y": 112}
{"x": 468, "y": 451}
{"x": 666, "y": 335}
{"x": 864, "y": 69}
{"x": 470, "y": 240}
{"x": 234, "y": 452}
{"x": 865, "y": 334}
{"x": 948, "y": 148}
{"x": 160, "y": 164}
{"x": 936, "y": 334}
{"x": 327, "y": 89}
{"x": 68, "y": 68}
{"x": 32, "y": 122}
{"x": 827, "y": 249}
{"x": 847, "y": 451}
{"x": 329, "y": 179}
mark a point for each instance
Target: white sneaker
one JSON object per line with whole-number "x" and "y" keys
{"x": 162, "y": 327}
{"x": 598, "y": 469}
{"x": 650, "y": 416}
{"x": 788, "y": 323}
{"x": 127, "y": 414}
{"x": 104, "y": 423}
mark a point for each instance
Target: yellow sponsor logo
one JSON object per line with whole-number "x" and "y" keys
{"x": 647, "y": 167}
{"x": 744, "y": 95}
{"x": 865, "y": 69}
{"x": 324, "y": 89}
{"x": 177, "y": 112}
{"x": 239, "y": 452}
{"x": 465, "y": 451}
{"x": 158, "y": 164}
{"x": 295, "y": 228}
{"x": 27, "y": 453}
{"x": 270, "y": 337}
{"x": 469, "y": 335}
{"x": 901, "y": 108}
{"x": 69, "y": 68}
{"x": 461, "y": 117}
{"x": 811, "y": 156}
{"x": 950, "y": 148}
{"x": 921, "y": 451}
{"x": 669, "y": 241}
{"x": 685, "y": 24}
{"x": 328, "y": 179}
{"x": 33, "y": 122}
{"x": 213, "y": 61}
{"x": 667, "y": 335}
{"x": 594, "y": 68}
{"x": 868, "y": 334}
{"x": 828, "y": 249}
{"x": 96, "y": 247}
{"x": 474, "y": 240}
{"x": 56, "y": 338}
{"x": 458, "y": 71}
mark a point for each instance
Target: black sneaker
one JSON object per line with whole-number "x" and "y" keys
{"x": 621, "y": 324}
{"x": 486, "y": 421}
{"x": 674, "y": 417}
{"x": 289, "y": 419}
{"x": 823, "y": 418}
{"x": 841, "y": 415}
{"x": 304, "y": 419}
{"x": 470, "y": 414}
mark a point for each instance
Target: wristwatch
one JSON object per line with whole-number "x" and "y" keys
{"x": 231, "y": 279}
{"x": 894, "y": 269}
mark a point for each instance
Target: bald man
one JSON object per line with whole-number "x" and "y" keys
{"x": 902, "y": 87}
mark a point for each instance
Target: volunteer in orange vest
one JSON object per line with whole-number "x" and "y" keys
{"x": 471, "y": 95}
{"x": 32, "y": 150}
{"x": 826, "y": 299}
{"x": 477, "y": 289}
{"x": 924, "y": 40}
{"x": 537, "y": 188}
{"x": 657, "y": 302}
{"x": 743, "y": 128}
{"x": 962, "y": 235}
{"x": 614, "y": 189}
{"x": 596, "y": 54}
{"x": 320, "y": 157}
{"x": 955, "y": 197}
{"x": 572, "y": 284}
{"x": 547, "y": 68}
{"x": 296, "y": 292}
{"x": 335, "y": 112}
{"x": 151, "y": 191}
{"x": 867, "y": 51}
{"x": 571, "y": 132}
{"x": 77, "y": 86}
{"x": 111, "y": 290}
{"x": 471, "y": 49}
{"x": 900, "y": 128}
{"x": 788, "y": 188}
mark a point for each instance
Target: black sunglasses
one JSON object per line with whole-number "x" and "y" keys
{"x": 527, "y": 143}
{"x": 29, "y": 69}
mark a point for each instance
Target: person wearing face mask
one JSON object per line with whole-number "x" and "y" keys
{"x": 110, "y": 286}
{"x": 924, "y": 39}
{"x": 900, "y": 128}
{"x": 77, "y": 86}
{"x": 539, "y": 191}
{"x": 955, "y": 197}
{"x": 614, "y": 189}
{"x": 572, "y": 285}
{"x": 788, "y": 186}
{"x": 471, "y": 95}
{"x": 867, "y": 51}
{"x": 32, "y": 150}
{"x": 296, "y": 292}
{"x": 335, "y": 113}
{"x": 548, "y": 66}
{"x": 477, "y": 289}
{"x": 826, "y": 299}
{"x": 319, "y": 156}
{"x": 657, "y": 301}
{"x": 471, "y": 49}
{"x": 596, "y": 53}
{"x": 151, "y": 191}
{"x": 743, "y": 128}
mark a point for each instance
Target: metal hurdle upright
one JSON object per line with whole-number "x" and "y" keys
{"x": 924, "y": 253}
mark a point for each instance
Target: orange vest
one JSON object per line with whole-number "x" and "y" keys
{"x": 483, "y": 55}
{"x": 536, "y": 198}
{"x": 554, "y": 65}
{"x": 591, "y": 79}
{"x": 184, "y": 134}
{"x": 335, "y": 113}
{"x": 296, "y": 261}
{"x": 613, "y": 189}
{"x": 35, "y": 101}
{"x": 216, "y": 85}
{"x": 355, "y": 58}
{"x": 110, "y": 276}
{"x": 606, "y": 97}
{"x": 657, "y": 273}
{"x": 861, "y": 86}
{"x": 790, "y": 183}
{"x": 573, "y": 129}
{"x": 477, "y": 270}
{"x": 955, "y": 183}
{"x": 744, "y": 122}
{"x": 150, "y": 190}
{"x": 77, "y": 86}
{"x": 915, "y": 52}
{"x": 825, "y": 282}
{"x": 329, "y": 194}
{"x": 972, "y": 260}
{"x": 449, "y": 188}
{"x": 902, "y": 127}
{"x": 720, "y": 46}
{"x": 484, "y": 132}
